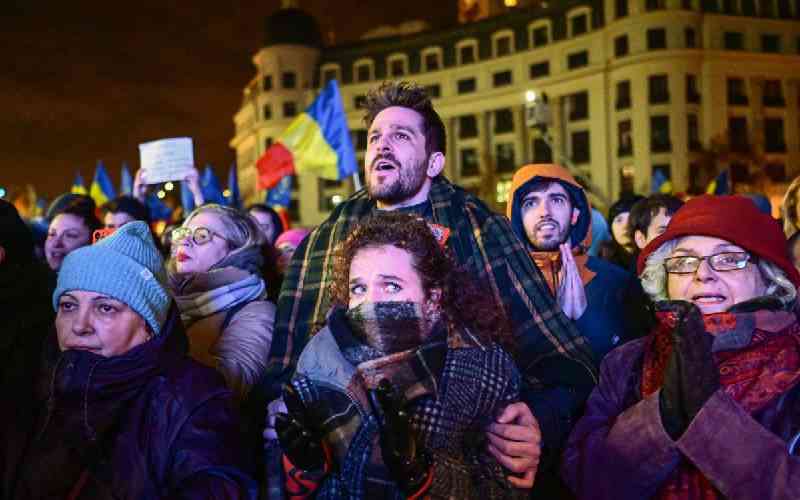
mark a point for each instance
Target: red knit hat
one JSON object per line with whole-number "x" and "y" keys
{"x": 732, "y": 218}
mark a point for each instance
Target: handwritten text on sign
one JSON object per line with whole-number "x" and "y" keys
{"x": 167, "y": 159}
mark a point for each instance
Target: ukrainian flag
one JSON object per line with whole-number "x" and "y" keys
{"x": 102, "y": 189}
{"x": 720, "y": 185}
{"x": 77, "y": 185}
{"x": 317, "y": 141}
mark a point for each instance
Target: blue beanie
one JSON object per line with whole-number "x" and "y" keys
{"x": 126, "y": 266}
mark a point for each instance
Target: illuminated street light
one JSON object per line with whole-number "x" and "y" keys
{"x": 530, "y": 96}
{"x": 510, "y": 3}
{"x": 169, "y": 186}
{"x": 226, "y": 193}
{"x": 161, "y": 194}
{"x": 336, "y": 199}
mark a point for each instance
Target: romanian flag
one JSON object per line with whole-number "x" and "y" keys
{"x": 720, "y": 185}
{"x": 101, "y": 189}
{"x": 317, "y": 141}
{"x": 77, "y": 185}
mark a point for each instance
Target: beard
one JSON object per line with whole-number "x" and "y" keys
{"x": 554, "y": 239}
{"x": 406, "y": 185}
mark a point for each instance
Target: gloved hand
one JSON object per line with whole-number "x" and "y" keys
{"x": 408, "y": 463}
{"x": 691, "y": 376}
{"x": 299, "y": 432}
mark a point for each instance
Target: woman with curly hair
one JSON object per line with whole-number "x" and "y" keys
{"x": 390, "y": 399}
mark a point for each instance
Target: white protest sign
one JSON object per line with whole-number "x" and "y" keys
{"x": 166, "y": 159}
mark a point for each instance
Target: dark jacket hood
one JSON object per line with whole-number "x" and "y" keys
{"x": 520, "y": 187}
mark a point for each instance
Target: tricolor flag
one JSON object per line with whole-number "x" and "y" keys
{"x": 280, "y": 197}
{"x": 317, "y": 141}
{"x": 77, "y": 185}
{"x": 102, "y": 189}
{"x": 720, "y": 185}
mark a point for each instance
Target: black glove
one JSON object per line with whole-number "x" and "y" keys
{"x": 691, "y": 375}
{"x": 408, "y": 463}
{"x": 299, "y": 432}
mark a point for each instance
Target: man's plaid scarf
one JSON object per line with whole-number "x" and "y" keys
{"x": 481, "y": 241}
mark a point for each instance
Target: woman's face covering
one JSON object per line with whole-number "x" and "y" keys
{"x": 66, "y": 233}
{"x": 193, "y": 258}
{"x": 713, "y": 291}
{"x": 95, "y": 322}
{"x": 382, "y": 274}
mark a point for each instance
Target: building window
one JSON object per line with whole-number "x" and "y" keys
{"x": 580, "y": 147}
{"x": 329, "y": 75}
{"x": 690, "y": 37}
{"x": 432, "y": 61}
{"x": 267, "y": 143}
{"x": 470, "y": 167}
{"x": 733, "y": 40}
{"x": 501, "y": 78}
{"x": 359, "y": 101}
{"x": 579, "y": 24}
{"x": 505, "y": 157}
{"x": 289, "y": 109}
{"x": 624, "y": 138}
{"x": 578, "y": 106}
{"x": 466, "y": 54}
{"x": 434, "y": 91}
{"x": 621, "y": 8}
{"x": 709, "y": 5}
{"x": 656, "y": 39}
{"x": 655, "y": 4}
{"x": 466, "y": 85}
{"x": 360, "y": 139}
{"x": 686, "y": 4}
{"x": 266, "y": 83}
{"x": 467, "y": 127}
{"x": 749, "y": 7}
{"x": 773, "y": 94}
{"x": 502, "y": 46}
{"x": 540, "y": 36}
{"x": 771, "y": 43}
{"x": 658, "y": 86}
{"x": 578, "y": 59}
{"x": 729, "y": 7}
{"x": 623, "y": 94}
{"x": 363, "y": 72}
{"x": 738, "y": 141}
{"x": 539, "y": 70}
{"x": 267, "y": 112}
{"x": 737, "y": 95}
{"x": 776, "y": 172}
{"x": 785, "y": 9}
{"x": 659, "y": 134}
{"x": 397, "y": 66}
{"x": 693, "y": 132}
{"x": 541, "y": 151}
{"x": 289, "y": 80}
{"x": 767, "y": 9}
{"x": 621, "y": 46}
{"x": 774, "y": 140}
{"x": 503, "y": 121}
{"x": 692, "y": 94}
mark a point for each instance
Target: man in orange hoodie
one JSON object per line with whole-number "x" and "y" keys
{"x": 550, "y": 213}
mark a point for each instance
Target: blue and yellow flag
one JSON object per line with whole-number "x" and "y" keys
{"x": 233, "y": 187}
{"x": 317, "y": 141}
{"x": 720, "y": 185}
{"x": 210, "y": 186}
{"x": 102, "y": 189}
{"x": 77, "y": 185}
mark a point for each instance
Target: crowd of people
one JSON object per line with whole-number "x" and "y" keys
{"x": 415, "y": 344}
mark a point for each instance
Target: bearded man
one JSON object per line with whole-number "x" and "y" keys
{"x": 403, "y": 164}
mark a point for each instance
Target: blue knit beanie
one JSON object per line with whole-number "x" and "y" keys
{"x": 126, "y": 266}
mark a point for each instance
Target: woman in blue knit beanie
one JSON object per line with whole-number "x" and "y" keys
{"x": 121, "y": 410}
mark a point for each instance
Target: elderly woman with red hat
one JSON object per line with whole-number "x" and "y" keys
{"x": 708, "y": 405}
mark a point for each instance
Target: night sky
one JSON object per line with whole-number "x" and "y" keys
{"x": 88, "y": 80}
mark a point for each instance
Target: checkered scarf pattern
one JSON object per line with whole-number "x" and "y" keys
{"x": 480, "y": 240}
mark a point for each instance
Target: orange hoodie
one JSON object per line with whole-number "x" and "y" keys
{"x": 580, "y": 234}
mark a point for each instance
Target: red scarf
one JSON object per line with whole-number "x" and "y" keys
{"x": 753, "y": 376}
{"x": 549, "y": 263}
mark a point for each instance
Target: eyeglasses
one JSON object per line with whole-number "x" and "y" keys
{"x": 199, "y": 235}
{"x": 724, "y": 261}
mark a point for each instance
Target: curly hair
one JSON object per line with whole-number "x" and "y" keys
{"x": 412, "y": 96}
{"x": 463, "y": 305}
{"x": 789, "y": 208}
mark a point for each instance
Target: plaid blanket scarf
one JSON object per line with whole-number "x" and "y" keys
{"x": 483, "y": 243}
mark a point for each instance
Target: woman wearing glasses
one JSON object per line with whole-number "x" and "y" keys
{"x": 708, "y": 405}
{"x": 216, "y": 280}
